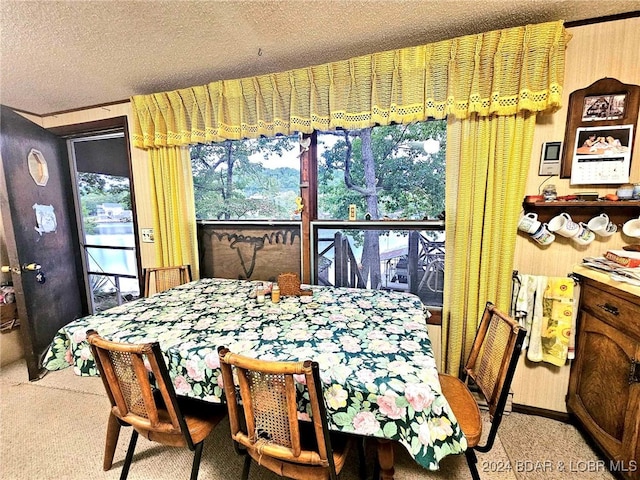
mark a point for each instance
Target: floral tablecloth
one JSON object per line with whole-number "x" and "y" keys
{"x": 376, "y": 361}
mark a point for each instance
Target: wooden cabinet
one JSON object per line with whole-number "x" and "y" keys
{"x": 604, "y": 387}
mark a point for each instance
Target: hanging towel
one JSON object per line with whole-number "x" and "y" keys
{"x": 571, "y": 354}
{"x": 534, "y": 353}
{"x": 523, "y": 302}
{"x": 557, "y": 318}
{"x": 545, "y": 307}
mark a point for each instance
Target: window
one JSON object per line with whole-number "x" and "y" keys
{"x": 391, "y": 259}
{"x": 255, "y": 179}
{"x": 386, "y": 172}
{"x": 380, "y": 196}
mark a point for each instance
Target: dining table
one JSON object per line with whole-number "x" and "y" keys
{"x": 377, "y": 365}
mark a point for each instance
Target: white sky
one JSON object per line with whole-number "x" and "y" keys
{"x": 290, "y": 158}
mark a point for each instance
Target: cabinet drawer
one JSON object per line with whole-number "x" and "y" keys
{"x": 612, "y": 309}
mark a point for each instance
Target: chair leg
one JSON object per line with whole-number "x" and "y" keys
{"x": 197, "y": 455}
{"x": 129, "y": 457}
{"x": 245, "y": 468}
{"x": 113, "y": 432}
{"x": 472, "y": 461}
{"x": 385, "y": 458}
{"x": 362, "y": 468}
{"x": 376, "y": 465}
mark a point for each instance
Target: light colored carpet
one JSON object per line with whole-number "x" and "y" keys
{"x": 54, "y": 429}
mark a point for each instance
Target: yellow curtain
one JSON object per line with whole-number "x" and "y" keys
{"x": 499, "y": 72}
{"x": 173, "y": 207}
{"x": 487, "y": 164}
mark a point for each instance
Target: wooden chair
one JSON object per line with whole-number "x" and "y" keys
{"x": 491, "y": 366}
{"x": 271, "y": 432}
{"x": 153, "y": 411}
{"x": 166, "y": 277}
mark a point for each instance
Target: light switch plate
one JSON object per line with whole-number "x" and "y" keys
{"x": 147, "y": 235}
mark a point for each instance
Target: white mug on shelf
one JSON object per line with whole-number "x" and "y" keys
{"x": 631, "y": 228}
{"x": 601, "y": 225}
{"x": 543, "y": 236}
{"x": 529, "y": 223}
{"x": 563, "y": 225}
{"x": 584, "y": 235}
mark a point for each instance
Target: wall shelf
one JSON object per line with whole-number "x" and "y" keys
{"x": 582, "y": 211}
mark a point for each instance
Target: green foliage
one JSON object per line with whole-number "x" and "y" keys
{"x": 89, "y": 223}
{"x": 228, "y": 184}
{"x": 409, "y": 182}
{"x": 96, "y": 189}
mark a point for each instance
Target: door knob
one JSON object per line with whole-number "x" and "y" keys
{"x": 31, "y": 267}
{"x": 35, "y": 267}
{"x": 9, "y": 268}
{"x": 27, "y": 267}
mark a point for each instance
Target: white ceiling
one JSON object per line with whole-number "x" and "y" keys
{"x": 64, "y": 55}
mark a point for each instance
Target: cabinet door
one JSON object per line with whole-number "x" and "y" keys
{"x": 600, "y": 394}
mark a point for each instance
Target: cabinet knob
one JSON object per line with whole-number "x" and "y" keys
{"x": 607, "y": 307}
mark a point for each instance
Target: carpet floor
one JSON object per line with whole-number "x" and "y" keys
{"x": 55, "y": 429}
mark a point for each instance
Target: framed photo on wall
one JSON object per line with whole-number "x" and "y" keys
{"x": 606, "y": 108}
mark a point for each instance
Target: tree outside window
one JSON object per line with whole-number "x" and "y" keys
{"x": 255, "y": 179}
{"x": 394, "y": 172}
{"x": 388, "y": 172}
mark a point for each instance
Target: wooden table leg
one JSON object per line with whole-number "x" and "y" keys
{"x": 113, "y": 432}
{"x": 385, "y": 458}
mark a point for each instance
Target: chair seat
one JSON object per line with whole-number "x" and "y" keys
{"x": 201, "y": 419}
{"x": 464, "y": 407}
{"x": 340, "y": 445}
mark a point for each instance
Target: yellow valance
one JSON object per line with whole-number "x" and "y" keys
{"x": 500, "y": 72}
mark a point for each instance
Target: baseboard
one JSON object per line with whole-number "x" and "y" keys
{"x": 542, "y": 412}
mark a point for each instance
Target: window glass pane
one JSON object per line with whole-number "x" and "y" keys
{"x": 402, "y": 260}
{"x": 247, "y": 179}
{"x": 395, "y": 171}
{"x": 109, "y": 242}
{"x": 110, "y": 290}
{"x": 107, "y": 218}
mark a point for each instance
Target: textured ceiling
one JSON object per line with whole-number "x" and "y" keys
{"x": 63, "y": 55}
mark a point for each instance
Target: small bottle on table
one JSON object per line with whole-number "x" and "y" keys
{"x": 260, "y": 294}
{"x": 275, "y": 293}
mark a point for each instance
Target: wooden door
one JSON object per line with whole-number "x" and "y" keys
{"x": 40, "y": 228}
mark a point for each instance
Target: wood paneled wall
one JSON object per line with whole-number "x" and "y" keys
{"x": 594, "y": 52}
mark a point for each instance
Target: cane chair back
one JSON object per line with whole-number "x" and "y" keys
{"x": 490, "y": 368}
{"x": 494, "y": 350}
{"x": 139, "y": 388}
{"x": 159, "y": 279}
{"x": 272, "y": 433}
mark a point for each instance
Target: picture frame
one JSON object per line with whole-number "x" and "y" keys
{"x": 605, "y": 103}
